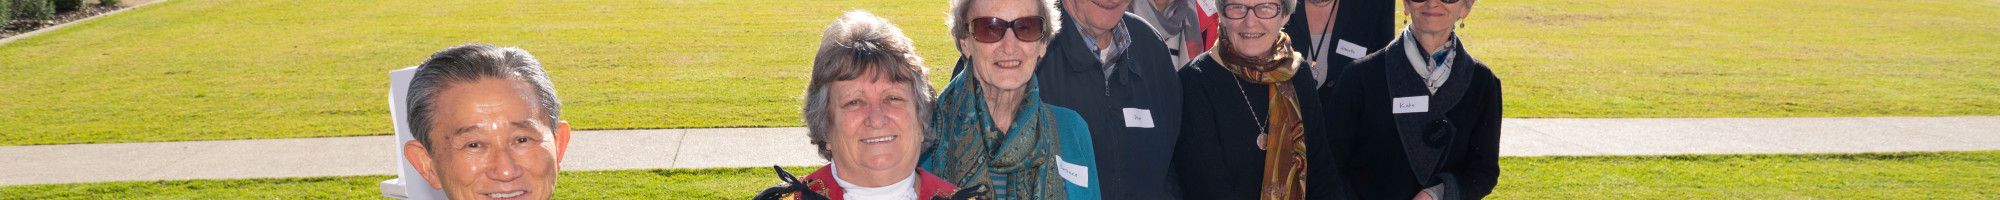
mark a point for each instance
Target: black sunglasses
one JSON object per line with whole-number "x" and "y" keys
{"x": 1445, "y": 1}
{"x": 992, "y": 29}
{"x": 1263, "y": 10}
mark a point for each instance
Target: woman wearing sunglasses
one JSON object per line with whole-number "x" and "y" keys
{"x": 1423, "y": 114}
{"x": 991, "y": 124}
{"x": 1247, "y": 133}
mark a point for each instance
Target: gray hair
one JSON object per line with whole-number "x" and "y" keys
{"x": 855, "y": 44}
{"x": 1046, "y": 9}
{"x": 469, "y": 63}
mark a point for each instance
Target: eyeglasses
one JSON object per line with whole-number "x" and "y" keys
{"x": 992, "y": 29}
{"x": 1264, "y": 10}
{"x": 1445, "y": 1}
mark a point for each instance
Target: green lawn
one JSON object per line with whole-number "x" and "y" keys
{"x": 720, "y": 183}
{"x": 1958, "y": 175}
{"x": 1725, "y": 58}
{"x": 242, "y": 69}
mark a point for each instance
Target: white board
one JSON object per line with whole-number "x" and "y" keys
{"x": 407, "y": 184}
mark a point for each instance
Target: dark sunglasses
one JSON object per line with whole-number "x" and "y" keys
{"x": 1445, "y": 1}
{"x": 992, "y": 29}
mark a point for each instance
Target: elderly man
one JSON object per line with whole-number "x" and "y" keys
{"x": 1115, "y": 72}
{"x": 486, "y": 122}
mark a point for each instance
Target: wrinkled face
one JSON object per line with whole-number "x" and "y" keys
{"x": 1252, "y": 34}
{"x": 1010, "y": 62}
{"x": 491, "y": 142}
{"x": 875, "y": 131}
{"x": 1097, "y": 15}
{"x": 1435, "y": 16}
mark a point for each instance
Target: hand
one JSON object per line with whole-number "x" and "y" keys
{"x": 1423, "y": 196}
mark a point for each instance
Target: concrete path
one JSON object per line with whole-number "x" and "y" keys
{"x": 755, "y": 147}
{"x": 129, "y": 5}
{"x": 1539, "y": 137}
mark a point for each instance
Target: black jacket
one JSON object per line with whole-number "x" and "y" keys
{"x": 1217, "y": 157}
{"x": 1132, "y": 161}
{"x": 1378, "y": 145}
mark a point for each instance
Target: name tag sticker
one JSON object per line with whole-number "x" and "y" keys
{"x": 1411, "y": 104}
{"x": 1138, "y": 118}
{"x": 1075, "y": 174}
{"x": 1350, "y": 49}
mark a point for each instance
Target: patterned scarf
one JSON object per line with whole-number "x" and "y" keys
{"x": 973, "y": 151}
{"x": 1285, "y": 154}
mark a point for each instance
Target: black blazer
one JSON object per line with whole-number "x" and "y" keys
{"x": 1378, "y": 144}
{"x": 1217, "y": 157}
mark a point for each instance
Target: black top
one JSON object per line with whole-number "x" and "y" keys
{"x": 1466, "y": 159}
{"x": 1370, "y": 24}
{"x": 1217, "y": 157}
{"x": 1132, "y": 161}
{"x": 1365, "y": 23}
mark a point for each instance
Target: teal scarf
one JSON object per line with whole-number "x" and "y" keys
{"x": 971, "y": 150}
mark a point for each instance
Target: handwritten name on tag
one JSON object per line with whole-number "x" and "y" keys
{"x": 1410, "y": 104}
{"x": 1350, "y": 49}
{"x": 1075, "y": 174}
{"x": 1138, "y": 118}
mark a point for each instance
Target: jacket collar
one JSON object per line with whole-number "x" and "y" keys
{"x": 1426, "y": 136}
{"x": 1068, "y": 51}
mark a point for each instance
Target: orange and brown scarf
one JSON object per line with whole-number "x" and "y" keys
{"x": 1285, "y": 151}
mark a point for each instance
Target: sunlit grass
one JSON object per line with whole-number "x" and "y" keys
{"x": 238, "y": 69}
{"x": 1954, "y": 175}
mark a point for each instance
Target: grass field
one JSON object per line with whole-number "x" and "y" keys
{"x": 240, "y": 69}
{"x": 1961, "y": 175}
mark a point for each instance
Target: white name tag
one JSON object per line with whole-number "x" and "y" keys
{"x": 1411, "y": 104}
{"x": 1075, "y": 174}
{"x": 1350, "y": 49}
{"x": 1138, "y": 118}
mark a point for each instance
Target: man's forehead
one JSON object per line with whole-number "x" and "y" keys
{"x": 494, "y": 101}
{"x": 478, "y": 126}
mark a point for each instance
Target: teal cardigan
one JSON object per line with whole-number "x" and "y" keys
{"x": 1073, "y": 133}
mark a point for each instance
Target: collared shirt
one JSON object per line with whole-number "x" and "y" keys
{"x": 904, "y": 189}
{"x": 1435, "y": 66}
{"x": 1121, "y": 38}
